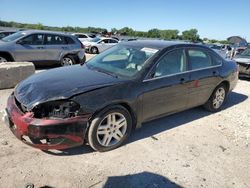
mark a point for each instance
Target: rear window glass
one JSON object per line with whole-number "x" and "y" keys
{"x": 69, "y": 40}
{"x": 54, "y": 39}
{"x": 199, "y": 59}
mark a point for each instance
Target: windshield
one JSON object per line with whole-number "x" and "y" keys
{"x": 13, "y": 37}
{"x": 95, "y": 39}
{"x": 246, "y": 52}
{"x": 121, "y": 60}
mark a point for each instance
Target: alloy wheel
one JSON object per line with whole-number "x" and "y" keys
{"x": 67, "y": 61}
{"x": 219, "y": 97}
{"x": 112, "y": 129}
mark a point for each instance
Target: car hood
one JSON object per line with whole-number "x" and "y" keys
{"x": 4, "y": 44}
{"x": 61, "y": 83}
{"x": 87, "y": 43}
{"x": 242, "y": 59}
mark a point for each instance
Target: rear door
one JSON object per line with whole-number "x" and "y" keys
{"x": 167, "y": 91}
{"x": 55, "y": 46}
{"x": 30, "y": 48}
{"x": 204, "y": 75}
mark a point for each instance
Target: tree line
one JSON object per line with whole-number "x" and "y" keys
{"x": 189, "y": 35}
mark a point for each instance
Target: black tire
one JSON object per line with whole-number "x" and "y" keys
{"x": 98, "y": 119}
{"x": 94, "y": 50}
{"x": 209, "y": 105}
{"x": 83, "y": 60}
{"x": 71, "y": 57}
{"x": 3, "y": 59}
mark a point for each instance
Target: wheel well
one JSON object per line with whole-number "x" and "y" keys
{"x": 75, "y": 56}
{"x": 7, "y": 55}
{"x": 124, "y": 105}
{"x": 132, "y": 113}
{"x": 227, "y": 84}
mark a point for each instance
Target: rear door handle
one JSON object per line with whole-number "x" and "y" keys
{"x": 40, "y": 47}
{"x": 64, "y": 47}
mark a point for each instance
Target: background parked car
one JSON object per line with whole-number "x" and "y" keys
{"x": 243, "y": 60}
{"x": 42, "y": 48}
{"x": 84, "y": 37}
{"x": 98, "y": 45}
{"x": 6, "y": 33}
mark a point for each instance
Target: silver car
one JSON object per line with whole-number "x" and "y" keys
{"x": 84, "y": 37}
{"x": 42, "y": 48}
{"x": 98, "y": 45}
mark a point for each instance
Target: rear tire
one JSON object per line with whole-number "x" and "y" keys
{"x": 84, "y": 59}
{"x": 68, "y": 60}
{"x": 110, "y": 128}
{"x": 217, "y": 99}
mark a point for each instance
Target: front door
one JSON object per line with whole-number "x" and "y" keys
{"x": 30, "y": 48}
{"x": 167, "y": 91}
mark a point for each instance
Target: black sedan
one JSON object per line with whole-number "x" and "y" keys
{"x": 102, "y": 101}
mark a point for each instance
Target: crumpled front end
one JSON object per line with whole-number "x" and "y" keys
{"x": 44, "y": 132}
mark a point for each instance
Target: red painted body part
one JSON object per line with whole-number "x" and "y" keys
{"x": 45, "y": 133}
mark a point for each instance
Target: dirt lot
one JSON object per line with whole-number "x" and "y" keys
{"x": 190, "y": 149}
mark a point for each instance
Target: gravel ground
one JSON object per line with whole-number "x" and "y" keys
{"x": 189, "y": 149}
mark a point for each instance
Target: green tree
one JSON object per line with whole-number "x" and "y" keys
{"x": 38, "y": 26}
{"x": 127, "y": 31}
{"x": 169, "y": 34}
{"x": 191, "y": 35}
{"x": 154, "y": 33}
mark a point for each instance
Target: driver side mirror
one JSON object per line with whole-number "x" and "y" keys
{"x": 21, "y": 42}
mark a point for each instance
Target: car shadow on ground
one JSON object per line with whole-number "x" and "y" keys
{"x": 152, "y": 128}
{"x": 143, "y": 179}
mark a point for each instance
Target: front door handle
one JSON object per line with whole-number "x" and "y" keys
{"x": 40, "y": 47}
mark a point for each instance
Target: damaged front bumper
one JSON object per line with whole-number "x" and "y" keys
{"x": 45, "y": 133}
{"x": 244, "y": 69}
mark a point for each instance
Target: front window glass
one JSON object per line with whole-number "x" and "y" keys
{"x": 172, "y": 63}
{"x": 122, "y": 60}
{"x": 13, "y": 37}
{"x": 36, "y": 39}
{"x": 95, "y": 39}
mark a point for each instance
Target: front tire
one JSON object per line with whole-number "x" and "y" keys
{"x": 217, "y": 99}
{"x": 110, "y": 129}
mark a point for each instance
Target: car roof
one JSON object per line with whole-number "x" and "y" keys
{"x": 8, "y": 31}
{"x": 43, "y": 32}
{"x": 159, "y": 44}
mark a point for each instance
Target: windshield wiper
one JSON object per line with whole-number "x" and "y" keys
{"x": 102, "y": 71}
